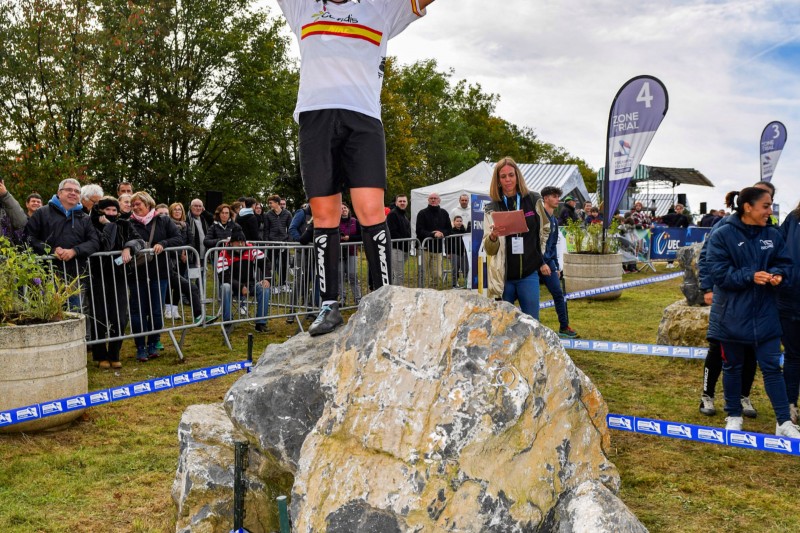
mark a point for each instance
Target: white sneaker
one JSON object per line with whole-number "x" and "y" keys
{"x": 793, "y": 413}
{"x": 168, "y": 311}
{"x": 747, "y": 408}
{"x": 733, "y": 423}
{"x": 670, "y": 265}
{"x": 707, "y": 405}
{"x": 787, "y": 429}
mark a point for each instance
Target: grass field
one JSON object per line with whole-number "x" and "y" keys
{"x": 113, "y": 470}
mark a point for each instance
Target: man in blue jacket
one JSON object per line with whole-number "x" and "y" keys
{"x": 64, "y": 230}
{"x": 549, "y": 270}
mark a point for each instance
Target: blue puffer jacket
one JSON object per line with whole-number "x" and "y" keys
{"x": 789, "y": 297}
{"x": 743, "y": 311}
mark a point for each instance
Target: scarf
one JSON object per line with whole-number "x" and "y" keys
{"x": 145, "y": 220}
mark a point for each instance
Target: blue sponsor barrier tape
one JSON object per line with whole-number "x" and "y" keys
{"x": 115, "y": 394}
{"x": 612, "y": 288}
{"x": 685, "y": 352}
{"x": 707, "y": 434}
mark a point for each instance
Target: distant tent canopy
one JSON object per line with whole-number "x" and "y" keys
{"x": 661, "y": 201}
{"x": 675, "y": 176}
{"x": 664, "y": 176}
{"x": 477, "y": 179}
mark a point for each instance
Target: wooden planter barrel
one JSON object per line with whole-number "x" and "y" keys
{"x": 42, "y": 362}
{"x": 590, "y": 271}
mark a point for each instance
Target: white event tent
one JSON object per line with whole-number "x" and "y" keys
{"x": 476, "y": 180}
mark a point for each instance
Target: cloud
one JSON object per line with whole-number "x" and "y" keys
{"x": 558, "y": 65}
{"x": 730, "y": 67}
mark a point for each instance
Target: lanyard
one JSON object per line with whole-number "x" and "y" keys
{"x": 519, "y": 201}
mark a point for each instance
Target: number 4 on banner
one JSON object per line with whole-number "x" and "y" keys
{"x": 644, "y": 95}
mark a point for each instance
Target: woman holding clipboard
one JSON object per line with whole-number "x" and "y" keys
{"x": 517, "y": 235}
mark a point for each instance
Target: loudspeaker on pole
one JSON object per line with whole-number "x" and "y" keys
{"x": 213, "y": 199}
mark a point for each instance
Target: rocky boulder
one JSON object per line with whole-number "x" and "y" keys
{"x": 432, "y": 411}
{"x": 683, "y": 325}
{"x": 687, "y": 258}
{"x": 203, "y": 486}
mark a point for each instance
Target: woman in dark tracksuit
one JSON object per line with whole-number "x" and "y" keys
{"x": 789, "y": 310}
{"x": 747, "y": 262}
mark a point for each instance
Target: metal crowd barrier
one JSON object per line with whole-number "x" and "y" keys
{"x": 290, "y": 270}
{"x": 128, "y": 300}
{"x": 444, "y": 263}
{"x": 261, "y": 281}
{"x": 406, "y": 262}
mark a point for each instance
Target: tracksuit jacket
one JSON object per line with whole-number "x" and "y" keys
{"x": 742, "y": 311}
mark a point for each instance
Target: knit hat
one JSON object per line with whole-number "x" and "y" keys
{"x": 237, "y": 235}
{"x": 107, "y": 202}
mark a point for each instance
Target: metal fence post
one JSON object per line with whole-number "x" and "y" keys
{"x": 239, "y": 485}
{"x": 249, "y": 351}
{"x": 283, "y": 515}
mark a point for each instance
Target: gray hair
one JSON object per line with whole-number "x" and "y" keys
{"x": 68, "y": 180}
{"x": 87, "y": 191}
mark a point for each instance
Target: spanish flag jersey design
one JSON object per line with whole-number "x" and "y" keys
{"x": 343, "y": 49}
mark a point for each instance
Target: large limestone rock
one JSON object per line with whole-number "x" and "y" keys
{"x": 448, "y": 413}
{"x": 591, "y": 508}
{"x": 683, "y": 325}
{"x": 280, "y": 401}
{"x": 687, "y": 257}
{"x": 203, "y": 486}
{"x": 432, "y": 411}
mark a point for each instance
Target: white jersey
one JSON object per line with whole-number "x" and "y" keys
{"x": 343, "y": 50}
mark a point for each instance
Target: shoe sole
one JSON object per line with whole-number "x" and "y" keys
{"x": 750, "y": 414}
{"x": 708, "y": 412}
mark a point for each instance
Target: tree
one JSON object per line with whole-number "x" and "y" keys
{"x": 50, "y": 108}
{"x": 177, "y": 96}
{"x": 436, "y": 130}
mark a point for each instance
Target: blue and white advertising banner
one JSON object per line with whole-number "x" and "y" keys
{"x": 478, "y": 202}
{"x": 636, "y": 113}
{"x": 707, "y": 434}
{"x": 773, "y": 138}
{"x": 666, "y": 241}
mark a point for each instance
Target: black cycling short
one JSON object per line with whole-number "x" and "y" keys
{"x": 341, "y": 149}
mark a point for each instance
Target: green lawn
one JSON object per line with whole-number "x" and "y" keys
{"x": 113, "y": 470}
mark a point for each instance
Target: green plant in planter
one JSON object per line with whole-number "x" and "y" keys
{"x": 30, "y": 292}
{"x": 589, "y": 240}
{"x": 576, "y": 233}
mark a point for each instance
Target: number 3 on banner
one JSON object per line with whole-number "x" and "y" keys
{"x": 777, "y": 131}
{"x": 644, "y": 95}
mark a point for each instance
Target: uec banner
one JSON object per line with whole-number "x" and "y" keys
{"x": 666, "y": 241}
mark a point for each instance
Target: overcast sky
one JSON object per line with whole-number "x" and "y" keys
{"x": 730, "y": 68}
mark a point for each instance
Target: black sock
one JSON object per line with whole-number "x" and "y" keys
{"x": 378, "y": 249}
{"x": 326, "y": 255}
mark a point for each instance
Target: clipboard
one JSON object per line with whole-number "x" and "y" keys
{"x": 512, "y": 222}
